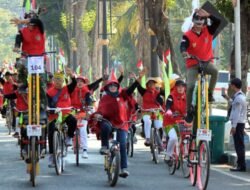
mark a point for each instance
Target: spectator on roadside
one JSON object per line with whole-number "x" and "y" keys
{"x": 238, "y": 119}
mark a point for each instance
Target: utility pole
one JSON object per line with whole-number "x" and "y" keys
{"x": 237, "y": 39}
{"x": 74, "y": 35}
{"x": 104, "y": 37}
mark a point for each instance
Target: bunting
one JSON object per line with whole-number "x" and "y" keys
{"x": 166, "y": 80}
{"x": 27, "y": 6}
{"x": 33, "y": 3}
{"x": 61, "y": 60}
{"x": 79, "y": 70}
{"x": 139, "y": 65}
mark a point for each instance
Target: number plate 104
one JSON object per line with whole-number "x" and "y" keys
{"x": 35, "y": 65}
{"x": 34, "y": 130}
{"x": 204, "y": 134}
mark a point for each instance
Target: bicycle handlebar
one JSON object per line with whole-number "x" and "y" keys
{"x": 103, "y": 119}
{"x": 199, "y": 60}
{"x": 153, "y": 110}
{"x": 57, "y": 110}
{"x": 23, "y": 111}
{"x": 34, "y": 55}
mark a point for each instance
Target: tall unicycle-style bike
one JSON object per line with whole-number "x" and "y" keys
{"x": 36, "y": 128}
{"x": 199, "y": 153}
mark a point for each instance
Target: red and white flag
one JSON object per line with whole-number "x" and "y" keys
{"x": 139, "y": 65}
{"x": 165, "y": 56}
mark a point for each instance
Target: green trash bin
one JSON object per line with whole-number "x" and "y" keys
{"x": 217, "y": 125}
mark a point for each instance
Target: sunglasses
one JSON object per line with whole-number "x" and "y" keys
{"x": 113, "y": 85}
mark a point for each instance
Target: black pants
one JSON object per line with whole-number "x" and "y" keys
{"x": 71, "y": 123}
{"x": 239, "y": 145}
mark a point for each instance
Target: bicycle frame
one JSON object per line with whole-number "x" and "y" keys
{"x": 154, "y": 134}
{"x": 35, "y": 67}
{"x": 201, "y": 125}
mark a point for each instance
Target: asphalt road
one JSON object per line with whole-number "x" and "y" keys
{"x": 90, "y": 175}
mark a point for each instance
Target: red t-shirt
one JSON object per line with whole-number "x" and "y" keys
{"x": 199, "y": 46}
{"x": 33, "y": 41}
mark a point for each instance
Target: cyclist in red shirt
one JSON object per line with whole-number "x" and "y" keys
{"x": 198, "y": 42}
{"x": 80, "y": 97}
{"x": 151, "y": 99}
{"x": 9, "y": 86}
{"x": 113, "y": 107}
{"x": 21, "y": 104}
{"x": 175, "y": 110}
{"x": 59, "y": 97}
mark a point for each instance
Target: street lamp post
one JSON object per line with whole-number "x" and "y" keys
{"x": 237, "y": 39}
{"x": 74, "y": 34}
{"x": 104, "y": 37}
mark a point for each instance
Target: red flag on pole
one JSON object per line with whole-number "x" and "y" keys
{"x": 139, "y": 64}
{"x": 165, "y": 55}
{"x": 112, "y": 76}
{"x": 33, "y": 3}
{"x": 61, "y": 52}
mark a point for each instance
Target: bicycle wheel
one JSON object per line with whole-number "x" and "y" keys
{"x": 9, "y": 118}
{"x": 203, "y": 169}
{"x": 57, "y": 154}
{"x": 130, "y": 145}
{"x": 172, "y": 166}
{"x": 63, "y": 152}
{"x": 114, "y": 168}
{"x": 77, "y": 146}
{"x": 156, "y": 145}
{"x": 33, "y": 161}
{"x": 153, "y": 145}
{"x": 192, "y": 162}
{"x": 184, "y": 158}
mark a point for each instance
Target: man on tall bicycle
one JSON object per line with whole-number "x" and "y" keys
{"x": 198, "y": 42}
{"x": 31, "y": 40}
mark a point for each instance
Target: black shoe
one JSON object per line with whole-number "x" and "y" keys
{"x": 238, "y": 169}
{"x": 147, "y": 142}
{"x": 104, "y": 150}
{"x": 210, "y": 97}
{"x": 16, "y": 135}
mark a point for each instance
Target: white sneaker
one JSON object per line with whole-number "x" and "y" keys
{"x": 85, "y": 154}
{"x": 167, "y": 157}
{"x": 68, "y": 141}
{"x": 51, "y": 163}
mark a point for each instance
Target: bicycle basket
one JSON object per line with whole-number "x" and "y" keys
{"x": 184, "y": 130}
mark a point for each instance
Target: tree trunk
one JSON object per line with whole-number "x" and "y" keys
{"x": 245, "y": 47}
{"x": 158, "y": 22}
{"x": 143, "y": 50}
{"x": 81, "y": 37}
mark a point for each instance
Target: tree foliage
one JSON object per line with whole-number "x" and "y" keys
{"x": 54, "y": 21}
{"x": 88, "y": 20}
{"x": 7, "y": 35}
{"x": 226, "y": 8}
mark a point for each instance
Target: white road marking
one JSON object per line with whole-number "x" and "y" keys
{"x": 231, "y": 175}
